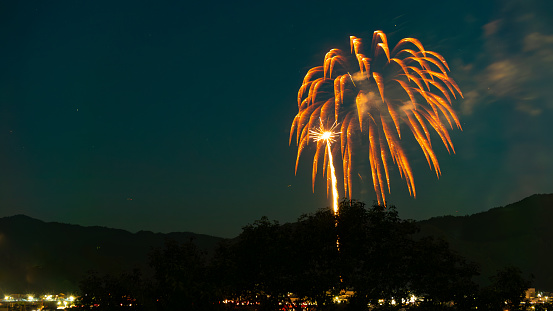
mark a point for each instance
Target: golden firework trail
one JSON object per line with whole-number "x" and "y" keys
{"x": 374, "y": 92}
{"x": 327, "y": 137}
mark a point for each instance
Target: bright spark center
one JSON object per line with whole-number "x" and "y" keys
{"x": 328, "y": 136}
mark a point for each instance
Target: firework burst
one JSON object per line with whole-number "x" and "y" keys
{"x": 374, "y": 92}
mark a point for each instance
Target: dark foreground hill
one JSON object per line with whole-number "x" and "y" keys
{"x": 519, "y": 234}
{"x": 40, "y": 257}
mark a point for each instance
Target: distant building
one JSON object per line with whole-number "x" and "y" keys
{"x": 530, "y": 293}
{"x": 534, "y": 297}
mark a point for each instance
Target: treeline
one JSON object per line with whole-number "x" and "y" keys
{"x": 368, "y": 253}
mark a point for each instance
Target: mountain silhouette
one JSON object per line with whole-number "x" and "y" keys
{"x": 41, "y": 257}
{"x": 519, "y": 234}
{"x": 49, "y": 257}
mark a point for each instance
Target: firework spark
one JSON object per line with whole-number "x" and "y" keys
{"x": 376, "y": 91}
{"x": 327, "y": 137}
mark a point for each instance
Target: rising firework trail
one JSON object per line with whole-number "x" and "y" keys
{"x": 327, "y": 137}
{"x": 373, "y": 92}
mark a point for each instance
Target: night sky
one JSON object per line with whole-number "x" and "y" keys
{"x": 174, "y": 115}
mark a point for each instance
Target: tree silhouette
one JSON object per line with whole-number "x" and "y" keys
{"x": 506, "y": 290}
{"x": 316, "y": 258}
{"x": 262, "y": 255}
{"x": 379, "y": 258}
{"x": 440, "y": 275}
{"x": 273, "y": 266}
{"x": 375, "y": 252}
{"x": 179, "y": 278}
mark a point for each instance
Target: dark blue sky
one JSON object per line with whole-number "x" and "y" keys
{"x": 174, "y": 116}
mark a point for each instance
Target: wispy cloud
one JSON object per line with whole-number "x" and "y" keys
{"x": 515, "y": 65}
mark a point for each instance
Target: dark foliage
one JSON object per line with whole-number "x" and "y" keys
{"x": 440, "y": 275}
{"x": 368, "y": 255}
{"x": 180, "y": 278}
{"x": 506, "y": 291}
{"x": 376, "y": 250}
